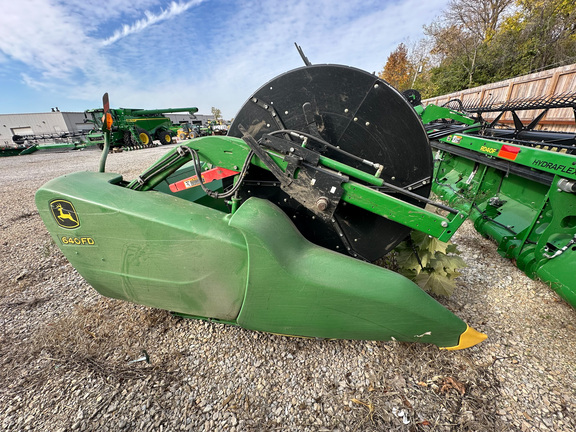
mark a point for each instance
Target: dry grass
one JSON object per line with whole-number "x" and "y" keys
{"x": 97, "y": 340}
{"x": 433, "y": 390}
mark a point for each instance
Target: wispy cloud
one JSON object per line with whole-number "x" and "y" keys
{"x": 173, "y": 10}
{"x": 199, "y": 53}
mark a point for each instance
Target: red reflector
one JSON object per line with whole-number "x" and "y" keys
{"x": 207, "y": 177}
{"x": 508, "y": 152}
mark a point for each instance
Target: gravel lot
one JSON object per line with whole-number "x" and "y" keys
{"x": 65, "y": 351}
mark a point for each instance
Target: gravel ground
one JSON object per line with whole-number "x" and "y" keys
{"x": 65, "y": 351}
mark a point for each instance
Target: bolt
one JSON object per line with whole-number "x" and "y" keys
{"x": 444, "y": 224}
{"x": 355, "y": 118}
{"x": 376, "y": 86}
{"x": 322, "y": 203}
{"x": 285, "y": 112}
{"x": 367, "y": 123}
{"x": 346, "y": 110}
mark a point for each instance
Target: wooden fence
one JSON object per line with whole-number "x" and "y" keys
{"x": 551, "y": 82}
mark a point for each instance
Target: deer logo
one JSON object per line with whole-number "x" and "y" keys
{"x": 64, "y": 214}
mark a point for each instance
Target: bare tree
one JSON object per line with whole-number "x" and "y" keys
{"x": 467, "y": 25}
{"x": 217, "y": 114}
{"x": 479, "y": 18}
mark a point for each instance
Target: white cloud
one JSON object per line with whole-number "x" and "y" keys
{"x": 189, "y": 53}
{"x": 173, "y": 10}
{"x": 43, "y": 36}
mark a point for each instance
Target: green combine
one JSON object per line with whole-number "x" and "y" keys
{"x": 325, "y": 169}
{"x": 133, "y": 128}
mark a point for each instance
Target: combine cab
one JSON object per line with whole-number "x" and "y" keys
{"x": 273, "y": 227}
{"x": 134, "y": 127}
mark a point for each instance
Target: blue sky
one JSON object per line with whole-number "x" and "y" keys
{"x": 203, "y": 53}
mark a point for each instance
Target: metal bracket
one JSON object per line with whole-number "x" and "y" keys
{"x": 316, "y": 188}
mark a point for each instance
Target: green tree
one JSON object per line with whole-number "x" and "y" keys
{"x": 541, "y": 34}
{"x": 475, "y": 43}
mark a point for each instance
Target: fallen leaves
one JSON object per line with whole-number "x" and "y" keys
{"x": 368, "y": 405}
{"x": 452, "y": 384}
{"x": 443, "y": 384}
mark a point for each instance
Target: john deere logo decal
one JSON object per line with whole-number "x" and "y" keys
{"x": 64, "y": 213}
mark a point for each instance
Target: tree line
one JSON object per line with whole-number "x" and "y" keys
{"x": 479, "y": 42}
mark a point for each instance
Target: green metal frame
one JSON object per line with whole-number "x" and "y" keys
{"x": 246, "y": 265}
{"x": 541, "y": 159}
{"x": 531, "y": 215}
{"x": 251, "y": 268}
{"x": 434, "y": 112}
{"x": 231, "y": 153}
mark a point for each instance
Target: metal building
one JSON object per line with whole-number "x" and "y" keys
{"x": 50, "y": 124}
{"x": 199, "y": 119}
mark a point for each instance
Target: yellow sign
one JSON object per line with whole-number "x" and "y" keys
{"x": 488, "y": 149}
{"x": 77, "y": 241}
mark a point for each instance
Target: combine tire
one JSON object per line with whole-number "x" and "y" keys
{"x": 164, "y": 137}
{"x": 128, "y": 140}
{"x": 144, "y": 137}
